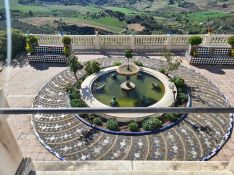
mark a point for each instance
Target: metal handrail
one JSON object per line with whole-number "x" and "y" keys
{"x": 176, "y": 110}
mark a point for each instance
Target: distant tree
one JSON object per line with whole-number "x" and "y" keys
{"x": 30, "y": 13}
{"x": 74, "y": 65}
{"x": 171, "y": 2}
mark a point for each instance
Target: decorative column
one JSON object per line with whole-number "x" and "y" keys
{"x": 169, "y": 42}
{"x": 132, "y": 43}
{"x": 97, "y": 41}
{"x": 10, "y": 154}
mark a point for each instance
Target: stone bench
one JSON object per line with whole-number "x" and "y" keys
{"x": 211, "y": 55}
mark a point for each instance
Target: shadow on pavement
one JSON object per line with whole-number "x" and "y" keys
{"x": 216, "y": 69}
{"x": 45, "y": 66}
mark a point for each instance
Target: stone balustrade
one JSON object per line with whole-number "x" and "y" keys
{"x": 172, "y": 42}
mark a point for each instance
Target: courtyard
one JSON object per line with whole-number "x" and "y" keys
{"x": 65, "y": 136}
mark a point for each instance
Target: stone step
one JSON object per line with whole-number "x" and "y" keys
{"x": 134, "y": 173}
{"x": 128, "y": 166}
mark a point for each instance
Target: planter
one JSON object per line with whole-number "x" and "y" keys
{"x": 193, "y": 49}
{"x": 67, "y": 45}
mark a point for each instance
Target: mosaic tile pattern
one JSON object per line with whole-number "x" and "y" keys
{"x": 193, "y": 139}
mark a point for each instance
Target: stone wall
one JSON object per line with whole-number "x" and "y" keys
{"x": 10, "y": 154}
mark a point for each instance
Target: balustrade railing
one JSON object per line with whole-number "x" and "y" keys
{"x": 173, "y": 42}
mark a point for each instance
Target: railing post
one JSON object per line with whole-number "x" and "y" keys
{"x": 132, "y": 44}
{"x": 207, "y": 39}
{"x": 169, "y": 42}
{"x": 97, "y": 42}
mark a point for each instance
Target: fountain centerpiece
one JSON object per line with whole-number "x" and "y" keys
{"x": 128, "y": 71}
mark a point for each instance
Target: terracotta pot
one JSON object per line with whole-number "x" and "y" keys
{"x": 67, "y": 45}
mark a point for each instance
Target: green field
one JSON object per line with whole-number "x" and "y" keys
{"x": 164, "y": 17}
{"x": 126, "y": 11}
{"x": 202, "y": 16}
{"x": 106, "y": 23}
{"x": 47, "y": 10}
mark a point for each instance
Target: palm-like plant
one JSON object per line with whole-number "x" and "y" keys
{"x": 74, "y": 65}
{"x": 128, "y": 55}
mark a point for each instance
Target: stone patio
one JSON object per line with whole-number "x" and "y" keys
{"x": 24, "y": 82}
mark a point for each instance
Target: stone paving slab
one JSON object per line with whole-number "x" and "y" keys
{"x": 21, "y": 84}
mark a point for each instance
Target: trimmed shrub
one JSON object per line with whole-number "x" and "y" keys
{"x": 32, "y": 40}
{"x": 231, "y": 40}
{"x": 77, "y": 103}
{"x": 151, "y": 124}
{"x": 195, "y": 40}
{"x": 112, "y": 124}
{"x": 29, "y": 48}
{"x": 74, "y": 94}
{"x": 232, "y": 52}
{"x": 178, "y": 81}
{"x": 31, "y": 43}
{"x": 182, "y": 98}
{"x": 170, "y": 117}
{"x": 92, "y": 67}
{"x": 117, "y": 63}
{"x": 181, "y": 90}
{"x": 133, "y": 126}
{"x": 138, "y": 63}
{"x": 66, "y": 40}
{"x": 97, "y": 121}
{"x": 163, "y": 70}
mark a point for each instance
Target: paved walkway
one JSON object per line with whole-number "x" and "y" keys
{"x": 25, "y": 81}
{"x": 223, "y": 77}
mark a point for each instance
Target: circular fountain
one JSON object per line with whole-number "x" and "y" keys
{"x": 145, "y": 88}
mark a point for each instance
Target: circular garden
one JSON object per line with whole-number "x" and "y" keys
{"x": 164, "y": 137}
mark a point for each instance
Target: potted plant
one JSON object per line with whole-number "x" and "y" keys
{"x": 66, "y": 41}
{"x": 67, "y": 45}
{"x": 31, "y": 43}
{"x": 231, "y": 41}
{"x": 194, "y": 41}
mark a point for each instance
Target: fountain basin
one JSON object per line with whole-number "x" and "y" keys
{"x": 92, "y": 100}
